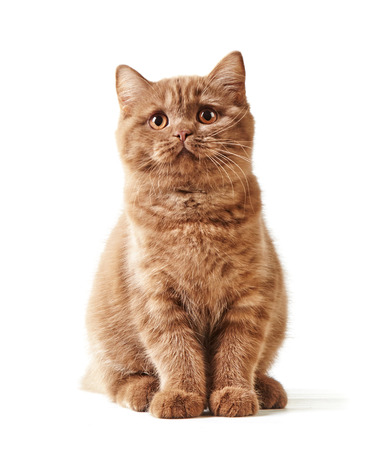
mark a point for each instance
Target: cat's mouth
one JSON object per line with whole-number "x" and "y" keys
{"x": 190, "y": 191}
{"x": 186, "y": 153}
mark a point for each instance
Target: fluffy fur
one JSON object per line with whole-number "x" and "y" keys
{"x": 188, "y": 307}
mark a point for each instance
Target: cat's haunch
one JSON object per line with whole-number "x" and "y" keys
{"x": 188, "y": 307}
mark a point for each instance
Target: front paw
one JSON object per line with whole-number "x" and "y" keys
{"x": 176, "y": 404}
{"x": 233, "y": 402}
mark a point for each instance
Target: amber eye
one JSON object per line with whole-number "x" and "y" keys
{"x": 158, "y": 121}
{"x": 207, "y": 116}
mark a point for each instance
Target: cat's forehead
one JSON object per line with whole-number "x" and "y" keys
{"x": 183, "y": 91}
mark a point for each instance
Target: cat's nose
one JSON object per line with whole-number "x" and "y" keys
{"x": 182, "y": 135}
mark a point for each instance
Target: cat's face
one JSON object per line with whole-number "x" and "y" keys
{"x": 186, "y": 127}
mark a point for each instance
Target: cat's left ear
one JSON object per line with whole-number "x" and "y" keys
{"x": 229, "y": 75}
{"x": 130, "y": 86}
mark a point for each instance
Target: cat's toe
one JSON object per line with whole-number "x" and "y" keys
{"x": 270, "y": 392}
{"x": 233, "y": 402}
{"x": 176, "y": 404}
{"x": 138, "y": 394}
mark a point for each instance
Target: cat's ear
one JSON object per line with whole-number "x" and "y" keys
{"x": 130, "y": 86}
{"x": 229, "y": 75}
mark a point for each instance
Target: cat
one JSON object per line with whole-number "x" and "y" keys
{"x": 189, "y": 306}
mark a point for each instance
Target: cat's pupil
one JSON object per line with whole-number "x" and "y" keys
{"x": 158, "y": 120}
{"x": 207, "y": 115}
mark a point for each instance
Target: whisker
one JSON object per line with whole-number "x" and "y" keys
{"x": 217, "y": 141}
{"x": 227, "y": 165}
{"x": 220, "y": 166}
{"x": 230, "y": 142}
{"x": 247, "y": 182}
{"x": 229, "y": 178}
{"x": 235, "y": 154}
{"x": 217, "y": 166}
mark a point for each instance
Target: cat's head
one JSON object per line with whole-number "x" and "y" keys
{"x": 186, "y": 128}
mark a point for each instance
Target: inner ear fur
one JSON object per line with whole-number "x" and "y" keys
{"x": 229, "y": 74}
{"x": 130, "y": 86}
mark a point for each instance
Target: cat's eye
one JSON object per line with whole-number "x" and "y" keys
{"x": 207, "y": 116}
{"x": 158, "y": 121}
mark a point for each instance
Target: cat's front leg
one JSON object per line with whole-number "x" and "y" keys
{"x": 237, "y": 346}
{"x": 178, "y": 357}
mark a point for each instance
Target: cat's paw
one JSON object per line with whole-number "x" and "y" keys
{"x": 137, "y": 393}
{"x": 176, "y": 404}
{"x": 270, "y": 392}
{"x": 233, "y": 402}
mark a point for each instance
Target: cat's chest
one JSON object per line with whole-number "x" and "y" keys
{"x": 202, "y": 264}
{"x": 200, "y": 258}
{"x": 193, "y": 241}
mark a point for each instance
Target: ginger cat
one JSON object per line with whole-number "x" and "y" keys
{"x": 189, "y": 307}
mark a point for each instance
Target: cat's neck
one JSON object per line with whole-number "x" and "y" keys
{"x": 187, "y": 202}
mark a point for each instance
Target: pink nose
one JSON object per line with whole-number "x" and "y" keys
{"x": 183, "y": 135}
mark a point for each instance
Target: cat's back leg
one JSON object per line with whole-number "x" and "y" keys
{"x": 135, "y": 391}
{"x": 120, "y": 367}
{"x": 270, "y": 392}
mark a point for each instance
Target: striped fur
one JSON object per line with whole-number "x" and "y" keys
{"x": 188, "y": 308}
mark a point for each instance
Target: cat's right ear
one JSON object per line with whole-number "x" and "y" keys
{"x": 130, "y": 86}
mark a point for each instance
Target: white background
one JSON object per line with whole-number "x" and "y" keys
{"x": 61, "y": 193}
